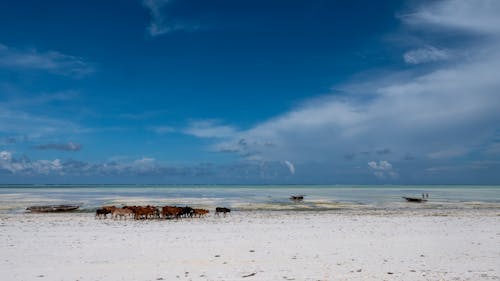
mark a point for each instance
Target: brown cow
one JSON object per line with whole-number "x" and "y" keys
{"x": 131, "y": 209}
{"x": 200, "y": 212}
{"x": 109, "y": 208}
{"x": 155, "y": 212}
{"x": 122, "y": 213}
{"x": 143, "y": 212}
{"x": 171, "y": 212}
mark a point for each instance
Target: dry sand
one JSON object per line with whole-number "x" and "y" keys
{"x": 254, "y": 246}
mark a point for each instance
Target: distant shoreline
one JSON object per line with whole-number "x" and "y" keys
{"x": 6, "y": 185}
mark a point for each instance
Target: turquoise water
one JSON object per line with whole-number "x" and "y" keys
{"x": 15, "y": 198}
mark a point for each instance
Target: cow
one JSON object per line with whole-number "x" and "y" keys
{"x": 104, "y": 211}
{"x": 109, "y": 208}
{"x": 187, "y": 212}
{"x": 144, "y": 212}
{"x": 200, "y": 212}
{"x": 171, "y": 212}
{"x": 122, "y": 213}
{"x": 101, "y": 213}
{"x": 131, "y": 210}
{"x": 154, "y": 213}
{"x": 223, "y": 210}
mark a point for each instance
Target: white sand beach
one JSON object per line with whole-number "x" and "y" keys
{"x": 430, "y": 245}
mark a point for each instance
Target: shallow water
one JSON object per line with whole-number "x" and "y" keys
{"x": 15, "y": 198}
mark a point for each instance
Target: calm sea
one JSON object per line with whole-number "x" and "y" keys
{"x": 15, "y": 198}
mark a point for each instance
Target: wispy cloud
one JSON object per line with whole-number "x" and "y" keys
{"x": 447, "y": 153}
{"x": 39, "y": 99}
{"x": 210, "y": 129}
{"x": 472, "y": 16}
{"x": 424, "y": 55}
{"x": 162, "y": 129}
{"x": 36, "y": 115}
{"x": 142, "y": 115}
{"x": 70, "y": 146}
{"x": 160, "y": 22}
{"x": 20, "y": 122}
{"x": 50, "y": 61}
{"x": 290, "y": 166}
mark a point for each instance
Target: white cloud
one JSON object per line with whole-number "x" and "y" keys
{"x": 456, "y": 104}
{"x": 290, "y": 167}
{"x": 474, "y": 16}
{"x": 157, "y": 26}
{"x": 146, "y": 167}
{"x": 50, "y": 61}
{"x": 160, "y": 23}
{"x": 209, "y": 129}
{"x": 441, "y": 169}
{"x": 453, "y": 104}
{"x": 46, "y": 167}
{"x": 70, "y": 146}
{"x": 5, "y": 156}
{"x": 25, "y": 166}
{"x": 382, "y": 169}
{"x": 381, "y": 166}
{"x": 424, "y": 55}
{"x": 145, "y": 161}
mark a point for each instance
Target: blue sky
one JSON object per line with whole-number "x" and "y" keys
{"x": 291, "y": 92}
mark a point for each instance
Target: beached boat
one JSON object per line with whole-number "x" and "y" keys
{"x": 297, "y": 197}
{"x": 52, "y": 208}
{"x": 415, "y": 199}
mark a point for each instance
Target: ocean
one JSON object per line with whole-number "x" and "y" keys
{"x": 16, "y": 198}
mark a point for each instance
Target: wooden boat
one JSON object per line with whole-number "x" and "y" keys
{"x": 297, "y": 197}
{"x": 52, "y": 208}
{"x": 415, "y": 199}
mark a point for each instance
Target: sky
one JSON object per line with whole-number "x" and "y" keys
{"x": 250, "y": 92}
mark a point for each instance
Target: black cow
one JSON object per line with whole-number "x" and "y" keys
{"x": 187, "y": 212}
{"x": 102, "y": 213}
{"x": 223, "y": 210}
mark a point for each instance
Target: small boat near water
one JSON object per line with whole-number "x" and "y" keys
{"x": 52, "y": 208}
{"x": 297, "y": 198}
{"x": 415, "y": 199}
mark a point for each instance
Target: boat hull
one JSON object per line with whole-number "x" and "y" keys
{"x": 52, "y": 208}
{"x": 415, "y": 199}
